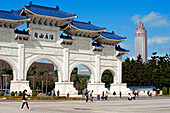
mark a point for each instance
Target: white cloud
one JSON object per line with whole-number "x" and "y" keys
{"x": 136, "y": 18}
{"x": 160, "y": 54}
{"x": 125, "y": 45}
{"x": 153, "y": 19}
{"x": 158, "y": 40}
{"x": 165, "y": 48}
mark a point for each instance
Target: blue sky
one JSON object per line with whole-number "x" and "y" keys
{"x": 120, "y": 16}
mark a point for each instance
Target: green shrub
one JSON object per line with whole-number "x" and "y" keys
{"x": 34, "y": 94}
{"x": 20, "y": 93}
{"x": 12, "y": 93}
{"x": 164, "y": 91}
{"x": 1, "y": 93}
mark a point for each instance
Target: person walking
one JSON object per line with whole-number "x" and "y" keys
{"x": 114, "y": 94}
{"x": 120, "y": 94}
{"x": 87, "y": 95}
{"x": 106, "y": 95}
{"x": 58, "y": 93}
{"x": 103, "y": 95}
{"x": 91, "y": 95}
{"x": 24, "y": 100}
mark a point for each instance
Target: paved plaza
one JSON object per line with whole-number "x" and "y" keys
{"x": 141, "y": 105}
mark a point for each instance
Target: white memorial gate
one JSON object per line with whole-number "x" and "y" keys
{"x": 42, "y": 40}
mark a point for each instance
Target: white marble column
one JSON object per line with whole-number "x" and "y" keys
{"x": 65, "y": 64}
{"x": 21, "y": 62}
{"x": 119, "y": 77}
{"x": 97, "y": 69}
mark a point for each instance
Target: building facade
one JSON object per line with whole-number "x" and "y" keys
{"x": 85, "y": 44}
{"x": 141, "y": 42}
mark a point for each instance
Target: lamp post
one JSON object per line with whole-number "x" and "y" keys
{"x": 6, "y": 75}
{"x": 33, "y": 81}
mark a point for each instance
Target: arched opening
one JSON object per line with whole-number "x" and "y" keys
{"x": 107, "y": 78}
{"x": 42, "y": 75}
{"x": 6, "y": 75}
{"x": 80, "y": 76}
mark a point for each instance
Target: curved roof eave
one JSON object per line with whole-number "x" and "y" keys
{"x": 85, "y": 29}
{"x": 49, "y": 16}
{"x": 28, "y": 19}
{"x": 110, "y": 39}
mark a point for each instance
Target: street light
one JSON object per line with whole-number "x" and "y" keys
{"x": 33, "y": 81}
{"x": 6, "y": 75}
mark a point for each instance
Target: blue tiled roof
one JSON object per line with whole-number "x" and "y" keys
{"x": 112, "y": 36}
{"x": 86, "y": 26}
{"x": 17, "y": 11}
{"x": 11, "y": 15}
{"x": 97, "y": 44}
{"x": 23, "y": 32}
{"x": 118, "y": 48}
{"x": 140, "y": 87}
{"x": 42, "y": 10}
{"x": 66, "y": 37}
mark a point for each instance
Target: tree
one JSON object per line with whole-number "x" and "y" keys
{"x": 1, "y": 72}
{"x": 156, "y": 72}
{"x": 41, "y": 74}
{"x": 55, "y": 73}
{"x": 79, "y": 83}
{"x": 46, "y": 78}
{"x": 5, "y": 70}
{"x": 31, "y": 73}
{"x": 107, "y": 78}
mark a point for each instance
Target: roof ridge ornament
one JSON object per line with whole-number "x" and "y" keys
{"x": 113, "y": 32}
{"x": 30, "y": 3}
{"x": 57, "y": 7}
{"x": 89, "y": 22}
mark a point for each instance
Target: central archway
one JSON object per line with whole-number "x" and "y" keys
{"x": 53, "y": 60}
{"x": 42, "y": 76}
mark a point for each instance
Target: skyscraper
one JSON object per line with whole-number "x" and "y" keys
{"x": 141, "y": 42}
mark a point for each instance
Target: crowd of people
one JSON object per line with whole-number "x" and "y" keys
{"x": 88, "y": 94}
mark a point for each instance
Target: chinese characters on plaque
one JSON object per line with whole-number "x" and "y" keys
{"x": 45, "y": 36}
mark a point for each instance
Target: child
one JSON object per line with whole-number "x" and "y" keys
{"x": 24, "y": 100}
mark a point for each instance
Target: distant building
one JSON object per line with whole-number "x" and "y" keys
{"x": 141, "y": 42}
{"x": 84, "y": 72}
{"x": 43, "y": 66}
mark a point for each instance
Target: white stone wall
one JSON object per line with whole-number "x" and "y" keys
{"x": 20, "y": 54}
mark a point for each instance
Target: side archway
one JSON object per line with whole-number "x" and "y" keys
{"x": 54, "y": 61}
{"x": 108, "y": 76}
{"x": 12, "y": 65}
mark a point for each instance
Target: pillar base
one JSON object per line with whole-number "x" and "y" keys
{"x": 65, "y": 88}
{"x": 119, "y": 87}
{"x": 97, "y": 88}
{"x": 20, "y": 86}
